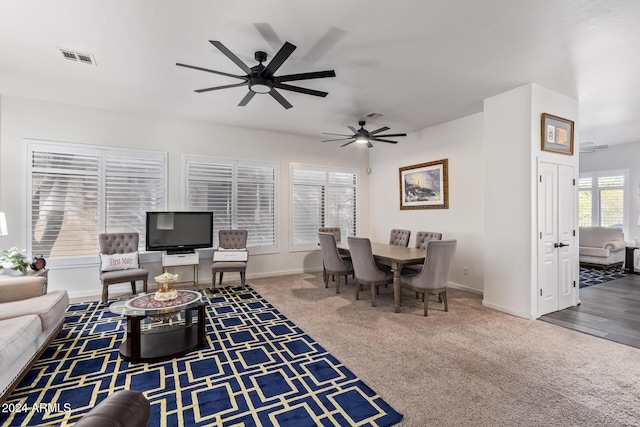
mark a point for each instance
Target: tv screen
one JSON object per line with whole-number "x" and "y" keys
{"x": 179, "y": 232}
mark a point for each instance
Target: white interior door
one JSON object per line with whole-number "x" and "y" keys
{"x": 566, "y": 237}
{"x": 556, "y": 233}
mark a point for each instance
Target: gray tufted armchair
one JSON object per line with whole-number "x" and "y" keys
{"x": 399, "y": 237}
{"x": 120, "y": 243}
{"x": 230, "y": 239}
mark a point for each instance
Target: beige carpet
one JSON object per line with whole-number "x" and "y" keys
{"x": 471, "y": 366}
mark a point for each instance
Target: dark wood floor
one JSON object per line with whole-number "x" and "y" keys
{"x": 610, "y": 310}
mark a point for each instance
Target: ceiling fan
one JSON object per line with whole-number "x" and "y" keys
{"x": 588, "y": 147}
{"x": 363, "y": 136}
{"x": 261, "y": 79}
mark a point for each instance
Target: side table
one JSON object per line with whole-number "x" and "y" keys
{"x": 629, "y": 259}
{"x": 178, "y": 260}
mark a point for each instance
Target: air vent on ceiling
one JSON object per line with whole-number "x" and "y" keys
{"x": 72, "y": 55}
{"x": 372, "y": 115}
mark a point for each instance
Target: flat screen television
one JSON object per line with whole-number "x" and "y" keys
{"x": 179, "y": 232}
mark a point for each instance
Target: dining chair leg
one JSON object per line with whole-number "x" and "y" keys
{"x": 326, "y": 280}
{"x": 426, "y": 303}
{"x": 133, "y": 287}
{"x": 374, "y": 290}
{"x": 338, "y": 285}
{"x": 221, "y": 274}
{"x": 446, "y": 301}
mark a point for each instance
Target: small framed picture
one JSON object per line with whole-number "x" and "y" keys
{"x": 557, "y": 134}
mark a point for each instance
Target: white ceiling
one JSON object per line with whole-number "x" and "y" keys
{"x": 417, "y": 62}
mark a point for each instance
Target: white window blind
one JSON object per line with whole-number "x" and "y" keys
{"x": 240, "y": 193}
{"x": 65, "y": 187}
{"x": 322, "y": 197}
{"x": 602, "y": 199}
{"x": 79, "y": 191}
{"x": 134, "y": 184}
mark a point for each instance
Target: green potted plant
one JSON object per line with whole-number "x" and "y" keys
{"x": 14, "y": 262}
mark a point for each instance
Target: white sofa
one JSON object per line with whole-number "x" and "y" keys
{"x": 30, "y": 318}
{"x": 602, "y": 247}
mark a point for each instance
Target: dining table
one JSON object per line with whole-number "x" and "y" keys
{"x": 393, "y": 256}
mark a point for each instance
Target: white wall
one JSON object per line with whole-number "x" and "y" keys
{"x": 620, "y": 157}
{"x": 22, "y": 118}
{"x": 512, "y": 138}
{"x": 460, "y": 142}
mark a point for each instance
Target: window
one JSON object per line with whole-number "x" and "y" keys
{"x": 240, "y": 193}
{"x": 79, "y": 191}
{"x": 602, "y": 199}
{"x": 322, "y": 197}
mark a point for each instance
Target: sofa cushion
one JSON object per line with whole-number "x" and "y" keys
{"x": 50, "y": 308}
{"x": 17, "y": 336}
{"x": 594, "y": 251}
{"x": 596, "y": 237}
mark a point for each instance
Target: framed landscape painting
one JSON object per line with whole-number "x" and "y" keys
{"x": 557, "y": 134}
{"x": 425, "y": 186}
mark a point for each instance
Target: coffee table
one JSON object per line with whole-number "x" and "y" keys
{"x": 161, "y": 341}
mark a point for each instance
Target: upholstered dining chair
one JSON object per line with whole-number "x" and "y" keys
{"x": 422, "y": 238}
{"x": 334, "y": 264}
{"x": 365, "y": 268}
{"x": 399, "y": 237}
{"x": 230, "y": 239}
{"x": 337, "y": 233}
{"x": 119, "y": 262}
{"x": 432, "y": 280}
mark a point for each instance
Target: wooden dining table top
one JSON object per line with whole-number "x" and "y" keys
{"x": 389, "y": 254}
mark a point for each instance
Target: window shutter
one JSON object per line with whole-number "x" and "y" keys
{"x": 322, "y": 197}
{"x": 256, "y": 203}
{"x": 601, "y": 199}
{"x": 241, "y": 194}
{"x": 134, "y": 184}
{"x": 64, "y": 203}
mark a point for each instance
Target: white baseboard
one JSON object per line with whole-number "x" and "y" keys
{"x": 506, "y": 310}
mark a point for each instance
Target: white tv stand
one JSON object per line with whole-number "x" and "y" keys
{"x": 180, "y": 260}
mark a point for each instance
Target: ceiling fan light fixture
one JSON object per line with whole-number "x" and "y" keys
{"x": 259, "y": 85}
{"x": 361, "y": 139}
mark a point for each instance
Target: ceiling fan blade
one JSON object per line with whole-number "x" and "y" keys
{"x": 337, "y": 134}
{"x": 222, "y": 48}
{"x": 301, "y": 90}
{"x": 322, "y": 46}
{"x": 267, "y": 33}
{"x": 305, "y": 76}
{"x": 390, "y": 134}
{"x": 209, "y": 89}
{"x": 378, "y": 130}
{"x": 285, "y": 51}
{"x": 339, "y": 139}
{"x": 278, "y": 97}
{"x": 212, "y": 71}
{"x": 352, "y": 129}
{"x": 350, "y": 142}
{"x": 384, "y": 140}
{"x": 369, "y": 144}
{"x": 248, "y": 97}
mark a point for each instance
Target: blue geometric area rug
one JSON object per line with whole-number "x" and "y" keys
{"x": 256, "y": 369}
{"x": 590, "y": 276}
